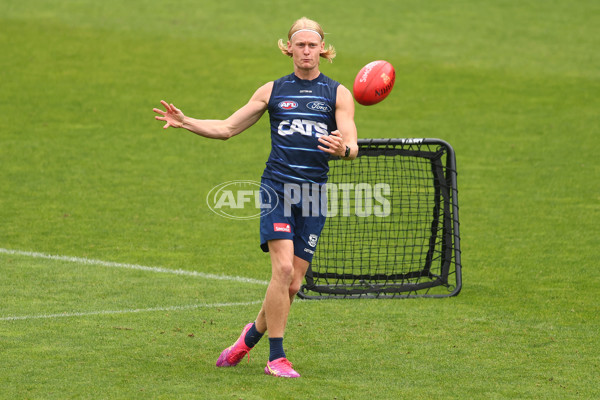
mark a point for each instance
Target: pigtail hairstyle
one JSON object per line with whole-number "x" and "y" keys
{"x": 304, "y": 23}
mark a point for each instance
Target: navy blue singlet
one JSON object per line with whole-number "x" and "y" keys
{"x": 301, "y": 111}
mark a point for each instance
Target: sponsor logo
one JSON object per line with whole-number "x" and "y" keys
{"x": 318, "y": 106}
{"x": 306, "y": 91}
{"x": 368, "y": 69}
{"x": 412, "y": 141}
{"x": 309, "y": 251}
{"x": 288, "y": 105}
{"x": 282, "y": 227}
{"x": 386, "y": 79}
{"x": 387, "y": 87}
{"x": 242, "y": 199}
{"x": 312, "y": 240}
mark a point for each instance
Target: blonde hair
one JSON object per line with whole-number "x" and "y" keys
{"x": 304, "y": 23}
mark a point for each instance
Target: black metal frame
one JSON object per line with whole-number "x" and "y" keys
{"x": 446, "y": 195}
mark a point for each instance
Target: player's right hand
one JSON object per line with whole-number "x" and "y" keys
{"x": 172, "y": 116}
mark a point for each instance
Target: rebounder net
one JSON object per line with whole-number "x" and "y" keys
{"x": 392, "y": 227}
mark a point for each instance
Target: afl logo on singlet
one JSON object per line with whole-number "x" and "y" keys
{"x": 288, "y": 105}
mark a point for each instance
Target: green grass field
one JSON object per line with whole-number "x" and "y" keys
{"x": 87, "y": 174}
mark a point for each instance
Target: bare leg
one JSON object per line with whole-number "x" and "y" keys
{"x": 300, "y": 267}
{"x": 277, "y": 300}
{"x": 280, "y": 285}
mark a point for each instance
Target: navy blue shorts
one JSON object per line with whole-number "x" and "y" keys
{"x": 293, "y": 212}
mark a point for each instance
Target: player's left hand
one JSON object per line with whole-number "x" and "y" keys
{"x": 334, "y": 144}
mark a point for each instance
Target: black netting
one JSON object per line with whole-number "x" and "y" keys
{"x": 392, "y": 228}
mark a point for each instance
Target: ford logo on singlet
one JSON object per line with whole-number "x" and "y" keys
{"x": 288, "y": 105}
{"x": 318, "y": 106}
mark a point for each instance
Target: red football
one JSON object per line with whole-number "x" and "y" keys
{"x": 374, "y": 82}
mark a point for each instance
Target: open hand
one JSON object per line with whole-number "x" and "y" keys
{"x": 172, "y": 116}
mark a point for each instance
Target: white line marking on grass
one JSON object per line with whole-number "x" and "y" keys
{"x": 111, "y": 264}
{"x": 130, "y": 311}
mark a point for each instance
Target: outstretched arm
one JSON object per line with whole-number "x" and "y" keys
{"x": 239, "y": 121}
{"x": 346, "y": 134}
